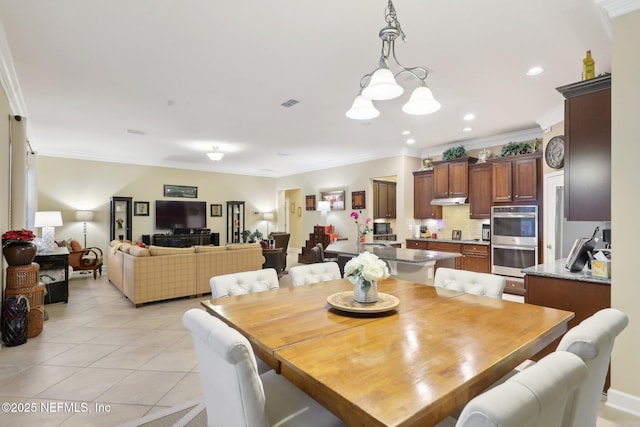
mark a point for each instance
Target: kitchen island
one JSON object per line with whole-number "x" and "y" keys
{"x": 552, "y": 285}
{"x": 414, "y": 265}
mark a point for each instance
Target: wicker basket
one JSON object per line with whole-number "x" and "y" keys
{"x": 23, "y": 276}
{"x": 35, "y": 295}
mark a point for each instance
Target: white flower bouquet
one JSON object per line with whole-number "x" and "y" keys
{"x": 366, "y": 268}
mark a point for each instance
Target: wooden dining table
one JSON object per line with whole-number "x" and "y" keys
{"x": 409, "y": 366}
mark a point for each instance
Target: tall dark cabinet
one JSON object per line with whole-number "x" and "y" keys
{"x": 587, "y": 164}
{"x": 235, "y": 221}
{"x": 120, "y": 218}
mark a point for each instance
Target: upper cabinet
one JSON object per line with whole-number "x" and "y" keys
{"x": 422, "y": 196}
{"x": 587, "y": 163}
{"x": 384, "y": 199}
{"x": 480, "y": 191}
{"x": 451, "y": 178}
{"x": 120, "y": 218}
{"x": 516, "y": 179}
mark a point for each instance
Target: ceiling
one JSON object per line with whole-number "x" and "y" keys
{"x": 161, "y": 82}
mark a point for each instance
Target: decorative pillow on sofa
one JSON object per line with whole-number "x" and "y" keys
{"x": 162, "y": 250}
{"x": 64, "y": 244}
{"x": 124, "y": 247}
{"x": 138, "y": 251}
{"x": 209, "y": 248}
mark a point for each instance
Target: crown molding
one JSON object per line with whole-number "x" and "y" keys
{"x": 9, "y": 79}
{"x": 615, "y": 8}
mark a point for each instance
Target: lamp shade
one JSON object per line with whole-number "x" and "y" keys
{"x": 421, "y": 102}
{"x": 324, "y": 206}
{"x": 84, "y": 215}
{"x": 268, "y": 216}
{"x": 382, "y": 86}
{"x": 362, "y": 109}
{"x": 48, "y": 219}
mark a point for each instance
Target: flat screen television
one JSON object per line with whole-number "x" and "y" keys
{"x": 172, "y": 214}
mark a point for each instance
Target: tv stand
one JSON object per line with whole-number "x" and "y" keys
{"x": 185, "y": 240}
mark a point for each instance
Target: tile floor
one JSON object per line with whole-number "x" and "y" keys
{"x": 101, "y": 362}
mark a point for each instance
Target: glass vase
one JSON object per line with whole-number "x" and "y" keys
{"x": 365, "y": 296}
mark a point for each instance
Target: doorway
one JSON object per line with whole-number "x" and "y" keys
{"x": 553, "y": 215}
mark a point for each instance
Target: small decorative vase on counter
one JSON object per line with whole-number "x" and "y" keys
{"x": 365, "y": 296}
{"x": 20, "y": 254}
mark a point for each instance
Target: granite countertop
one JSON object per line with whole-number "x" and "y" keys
{"x": 413, "y": 256}
{"x": 466, "y": 242}
{"x": 556, "y": 269}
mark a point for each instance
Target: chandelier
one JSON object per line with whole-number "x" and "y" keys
{"x": 381, "y": 84}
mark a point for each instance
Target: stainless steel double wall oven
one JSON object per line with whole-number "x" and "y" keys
{"x": 514, "y": 239}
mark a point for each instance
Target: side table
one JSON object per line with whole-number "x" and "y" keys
{"x": 54, "y": 273}
{"x": 273, "y": 259}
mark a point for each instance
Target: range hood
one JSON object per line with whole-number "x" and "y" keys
{"x": 449, "y": 201}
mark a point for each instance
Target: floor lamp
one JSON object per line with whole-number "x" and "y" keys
{"x": 268, "y": 216}
{"x": 84, "y": 216}
{"x": 48, "y": 220}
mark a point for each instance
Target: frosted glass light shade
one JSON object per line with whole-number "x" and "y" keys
{"x": 421, "y": 102}
{"x": 268, "y": 216}
{"x": 215, "y": 156}
{"x": 382, "y": 86}
{"x": 362, "y": 109}
{"x": 324, "y": 206}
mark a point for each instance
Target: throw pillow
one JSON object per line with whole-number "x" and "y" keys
{"x": 138, "y": 251}
{"x": 75, "y": 246}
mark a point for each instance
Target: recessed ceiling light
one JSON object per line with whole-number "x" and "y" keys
{"x": 467, "y": 129}
{"x": 534, "y": 71}
{"x": 411, "y": 141}
{"x": 469, "y": 116}
{"x": 406, "y": 132}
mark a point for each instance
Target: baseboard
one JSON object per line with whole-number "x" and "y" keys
{"x": 623, "y": 401}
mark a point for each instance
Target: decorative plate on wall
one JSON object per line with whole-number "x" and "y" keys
{"x": 554, "y": 153}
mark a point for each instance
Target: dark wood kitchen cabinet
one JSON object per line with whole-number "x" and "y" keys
{"x": 451, "y": 178}
{"x": 516, "y": 179}
{"x": 422, "y": 196}
{"x": 476, "y": 258}
{"x": 384, "y": 199}
{"x": 480, "y": 191}
{"x": 587, "y": 163}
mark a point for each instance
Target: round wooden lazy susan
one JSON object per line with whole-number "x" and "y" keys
{"x": 344, "y": 301}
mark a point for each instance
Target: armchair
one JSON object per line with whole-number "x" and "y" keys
{"x": 282, "y": 241}
{"x": 85, "y": 259}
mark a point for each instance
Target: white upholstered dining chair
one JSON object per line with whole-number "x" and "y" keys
{"x": 592, "y": 340}
{"x": 470, "y": 282}
{"x": 313, "y": 273}
{"x": 235, "y": 395}
{"x": 541, "y": 396}
{"x": 246, "y": 282}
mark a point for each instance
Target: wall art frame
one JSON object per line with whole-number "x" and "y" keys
{"x": 140, "y": 208}
{"x": 310, "y": 202}
{"x": 335, "y": 199}
{"x": 358, "y": 200}
{"x": 180, "y": 191}
{"x": 215, "y": 209}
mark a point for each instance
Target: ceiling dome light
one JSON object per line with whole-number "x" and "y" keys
{"x": 216, "y": 155}
{"x": 534, "y": 71}
{"x": 362, "y": 109}
{"x": 382, "y": 86}
{"x": 469, "y": 116}
{"x": 411, "y": 141}
{"x": 421, "y": 102}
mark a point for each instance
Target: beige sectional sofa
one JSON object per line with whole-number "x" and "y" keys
{"x": 160, "y": 273}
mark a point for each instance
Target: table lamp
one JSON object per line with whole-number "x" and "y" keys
{"x": 268, "y": 216}
{"x": 84, "y": 216}
{"x": 324, "y": 207}
{"x": 48, "y": 220}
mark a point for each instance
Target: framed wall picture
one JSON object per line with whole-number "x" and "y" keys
{"x": 335, "y": 199}
{"x": 310, "y": 202}
{"x": 357, "y": 200}
{"x": 293, "y": 207}
{"x": 299, "y": 211}
{"x": 456, "y": 235}
{"x": 216, "y": 210}
{"x": 141, "y": 208}
{"x": 180, "y": 191}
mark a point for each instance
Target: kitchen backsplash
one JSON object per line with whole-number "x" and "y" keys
{"x": 456, "y": 218}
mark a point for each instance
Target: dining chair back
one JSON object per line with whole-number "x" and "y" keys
{"x": 593, "y": 341}
{"x": 319, "y": 255}
{"x": 313, "y": 273}
{"x": 470, "y": 282}
{"x": 245, "y": 282}
{"x": 540, "y": 396}
{"x": 281, "y": 239}
{"x": 235, "y": 395}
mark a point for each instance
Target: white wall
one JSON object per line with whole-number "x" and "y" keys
{"x": 69, "y": 185}
{"x": 625, "y": 152}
